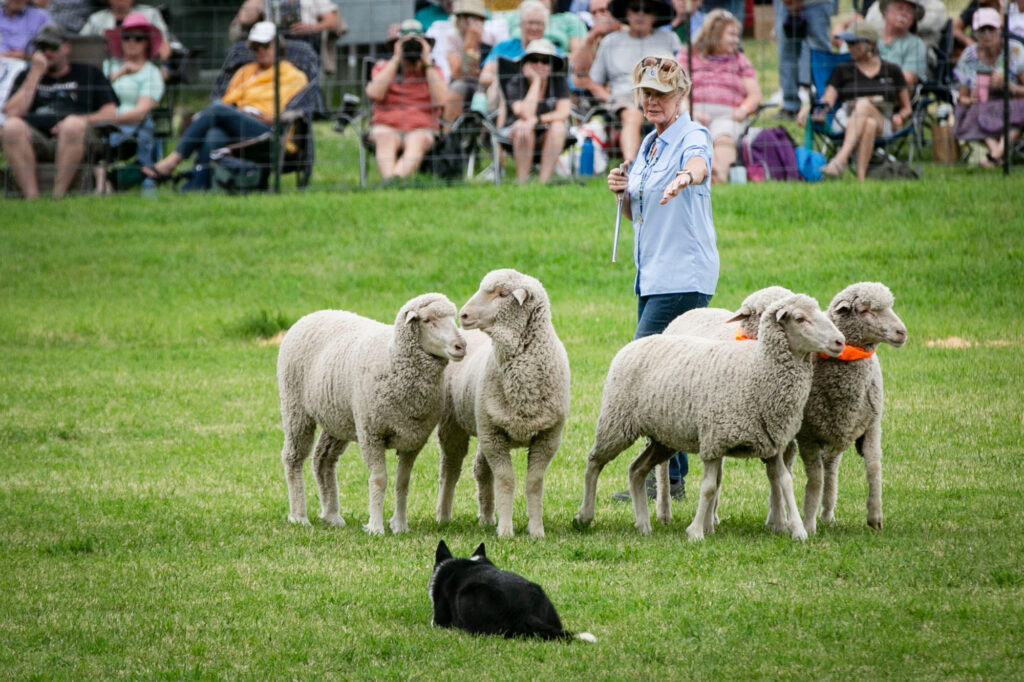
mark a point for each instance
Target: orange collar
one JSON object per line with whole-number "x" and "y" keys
{"x": 851, "y": 353}
{"x": 740, "y": 336}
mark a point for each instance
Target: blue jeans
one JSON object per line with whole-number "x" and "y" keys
{"x": 794, "y": 53}
{"x": 653, "y": 314}
{"x": 215, "y": 126}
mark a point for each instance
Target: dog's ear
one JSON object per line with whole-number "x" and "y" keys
{"x": 442, "y": 553}
{"x": 480, "y": 552}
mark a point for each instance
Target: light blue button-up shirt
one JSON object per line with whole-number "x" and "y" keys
{"x": 673, "y": 245}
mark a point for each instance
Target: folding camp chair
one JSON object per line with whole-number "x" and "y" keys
{"x": 822, "y": 65}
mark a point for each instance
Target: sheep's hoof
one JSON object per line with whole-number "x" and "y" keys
{"x": 579, "y": 522}
{"x": 485, "y": 520}
{"x": 694, "y": 534}
{"x": 643, "y": 528}
{"x": 537, "y": 532}
{"x": 798, "y": 532}
{"x": 830, "y": 518}
{"x": 299, "y": 520}
{"x": 372, "y": 530}
{"x": 505, "y": 532}
{"x": 398, "y": 526}
{"x": 811, "y": 527}
{"x": 333, "y": 520}
{"x": 875, "y": 523}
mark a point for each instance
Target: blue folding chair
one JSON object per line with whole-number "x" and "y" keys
{"x": 822, "y": 65}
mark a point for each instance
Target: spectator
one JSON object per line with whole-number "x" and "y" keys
{"x": 898, "y": 45}
{"x": 305, "y": 20}
{"x": 50, "y": 112}
{"x": 245, "y": 111}
{"x": 867, "y": 89}
{"x": 930, "y": 20}
{"x": 447, "y": 38}
{"x": 667, "y": 192}
{"x": 71, "y": 14}
{"x": 966, "y": 19}
{"x": 801, "y": 25}
{"x": 1015, "y": 18}
{"x": 533, "y": 22}
{"x": 463, "y": 53}
{"x": 725, "y": 89}
{"x": 565, "y": 29}
{"x": 102, "y": 21}
{"x": 539, "y": 107}
{"x": 611, "y": 74}
{"x": 603, "y": 24}
{"x": 407, "y": 93}
{"x": 137, "y": 82}
{"x": 979, "y": 74}
{"x": 436, "y": 10}
{"x": 19, "y": 23}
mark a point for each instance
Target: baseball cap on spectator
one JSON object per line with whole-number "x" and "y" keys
{"x": 986, "y": 16}
{"x": 861, "y": 31}
{"x": 472, "y": 7}
{"x": 134, "y": 23}
{"x": 50, "y": 34}
{"x": 262, "y": 32}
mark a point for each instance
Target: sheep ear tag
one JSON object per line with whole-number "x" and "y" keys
{"x": 410, "y": 316}
{"x": 520, "y": 295}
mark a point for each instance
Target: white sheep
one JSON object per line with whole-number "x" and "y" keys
{"x": 845, "y": 403}
{"x": 511, "y": 391}
{"x": 362, "y": 380}
{"x": 717, "y": 398}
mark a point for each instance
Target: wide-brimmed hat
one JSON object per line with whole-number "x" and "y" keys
{"x": 861, "y": 31}
{"x": 473, "y": 7}
{"x": 542, "y": 47}
{"x": 262, "y": 32}
{"x": 409, "y": 27}
{"x": 135, "y": 22}
{"x": 662, "y": 10}
{"x": 918, "y": 6}
{"x": 986, "y": 16}
{"x": 51, "y": 33}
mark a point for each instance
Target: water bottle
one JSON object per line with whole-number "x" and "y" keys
{"x": 738, "y": 174}
{"x": 479, "y": 103}
{"x": 587, "y": 157}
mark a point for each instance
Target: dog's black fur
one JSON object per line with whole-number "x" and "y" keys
{"x": 472, "y": 594}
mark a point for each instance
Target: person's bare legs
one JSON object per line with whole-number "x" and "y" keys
{"x": 862, "y": 111}
{"x": 452, "y": 106}
{"x": 866, "y": 145}
{"x": 554, "y": 142}
{"x": 386, "y": 143}
{"x": 523, "y": 140}
{"x": 166, "y": 165}
{"x": 17, "y": 143}
{"x": 723, "y": 158}
{"x": 70, "y": 152}
{"x": 415, "y": 146}
{"x": 629, "y": 139}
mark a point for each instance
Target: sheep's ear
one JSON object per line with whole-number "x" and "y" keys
{"x": 411, "y": 315}
{"x": 479, "y": 551}
{"x": 843, "y": 307}
{"x": 742, "y": 314}
{"x": 520, "y": 295}
{"x": 442, "y": 553}
{"x": 781, "y": 313}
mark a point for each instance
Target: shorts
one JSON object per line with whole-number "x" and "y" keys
{"x": 842, "y": 117}
{"x": 722, "y": 123}
{"x": 378, "y": 128}
{"x": 45, "y": 145}
{"x": 619, "y": 102}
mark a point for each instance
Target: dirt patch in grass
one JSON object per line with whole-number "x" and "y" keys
{"x": 957, "y": 342}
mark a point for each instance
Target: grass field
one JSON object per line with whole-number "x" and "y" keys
{"x": 143, "y": 501}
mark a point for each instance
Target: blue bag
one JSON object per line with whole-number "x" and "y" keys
{"x": 807, "y": 160}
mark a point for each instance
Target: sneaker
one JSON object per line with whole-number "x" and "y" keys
{"x": 676, "y": 490}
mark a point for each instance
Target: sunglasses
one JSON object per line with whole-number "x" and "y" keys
{"x": 666, "y": 64}
{"x": 259, "y": 46}
{"x": 535, "y": 59}
{"x": 643, "y": 7}
{"x": 47, "y": 47}
{"x": 137, "y": 37}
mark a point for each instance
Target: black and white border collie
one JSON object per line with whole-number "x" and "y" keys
{"x": 474, "y": 595}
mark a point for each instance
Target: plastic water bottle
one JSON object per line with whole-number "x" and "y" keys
{"x": 587, "y": 157}
{"x": 479, "y": 102}
{"x": 737, "y": 174}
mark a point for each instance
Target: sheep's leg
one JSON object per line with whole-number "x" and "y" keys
{"x": 398, "y": 522}
{"x": 870, "y": 448}
{"x": 373, "y": 455}
{"x": 813, "y": 466}
{"x": 454, "y": 444}
{"x": 496, "y": 451}
{"x": 831, "y": 462}
{"x": 703, "y": 520}
{"x": 663, "y": 498}
{"x": 325, "y": 460}
{"x": 780, "y": 476}
{"x": 298, "y": 439}
{"x": 652, "y": 455}
{"x": 484, "y": 488}
{"x": 776, "y": 519}
{"x": 718, "y": 494}
{"x": 608, "y": 444}
{"x": 542, "y": 451}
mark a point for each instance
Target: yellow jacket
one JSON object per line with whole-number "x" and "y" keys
{"x": 254, "y": 87}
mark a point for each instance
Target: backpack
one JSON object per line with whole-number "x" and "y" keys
{"x": 236, "y": 176}
{"x": 770, "y": 153}
{"x": 449, "y": 158}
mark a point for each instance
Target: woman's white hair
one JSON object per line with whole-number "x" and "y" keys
{"x": 527, "y": 5}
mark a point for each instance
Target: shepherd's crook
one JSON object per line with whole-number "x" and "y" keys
{"x": 624, "y": 168}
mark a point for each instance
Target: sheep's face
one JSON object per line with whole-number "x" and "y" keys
{"x": 807, "y": 329}
{"x": 868, "y": 318}
{"x": 438, "y": 334}
{"x": 498, "y": 291}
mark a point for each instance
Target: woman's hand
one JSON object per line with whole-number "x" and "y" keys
{"x": 898, "y": 120}
{"x": 683, "y": 179}
{"x": 618, "y": 181}
{"x": 740, "y": 113}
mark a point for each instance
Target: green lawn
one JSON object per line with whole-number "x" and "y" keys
{"x": 143, "y": 499}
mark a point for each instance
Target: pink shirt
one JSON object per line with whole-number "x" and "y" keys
{"x": 719, "y": 80}
{"x": 406, "y": 105}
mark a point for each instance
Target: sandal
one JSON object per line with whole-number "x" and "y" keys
{"x": 833, "y": 169}
{"x": 990, "y": 161}
{"x": 156, "y": 176}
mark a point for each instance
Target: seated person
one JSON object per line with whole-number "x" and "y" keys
{"x": 463, "y": 54}
{"x": 725, "y": 89}
{"x": 19, "y": 23}
{"x": 611, "y": 75}
{"x": 407, "y": 93}
{"x": 898, "y": 45}
{"x": 565, "y": 30}
{"x": 929, "y": 21}
{"x": 434, "y": 11}
{"x": 539, "y": 107}
{"x": 533, "y": 22}
{"x": 100, "y": 22}
{"x": 245, "y": 111}
{"x": 70, "y": 14}
{"x": 869, "y": 90}
{"x": 602, "y": 23}
{"x": 979, "y": 75}
{"x": 137, "y": 82}
{"x": 49, "y": 113}
{"x": 307, "y": 20}
{"x": 966, "y": 18}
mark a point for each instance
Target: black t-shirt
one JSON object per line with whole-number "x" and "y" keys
{"x": 82, "y": 90}
{"x": 850, "y": 83}
{"x": 557, "y": 88}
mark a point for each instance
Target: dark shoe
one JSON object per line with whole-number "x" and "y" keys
{"x": 676, "y": 490}
{"x": 156, "y": 176}
{"x": 785, "y": 115}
